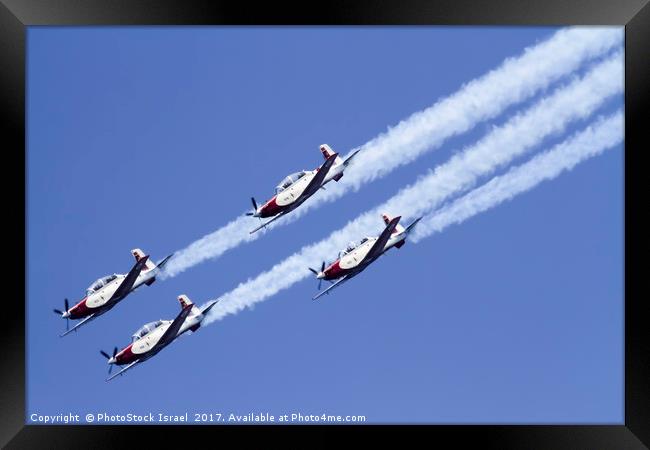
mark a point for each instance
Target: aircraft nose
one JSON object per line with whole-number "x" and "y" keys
{"x": 66, "y": 314}
{"x": 320, "y": 275}
{"x": 112, "y": 360}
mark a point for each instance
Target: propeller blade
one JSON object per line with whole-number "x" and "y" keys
{"x": 322, "y": 267}
{"x": 254, "y": 203}
{"x": 319, "y": 283}
{"x": 110, "y": 367}
{"x": 67, "y": 324}
{"x": 67, "y": 307}
{"x": 60, "y": 313}
{"x": 106, "y": 355}
{"x": 250, "y": 213}
{"x": 314, "y": 271}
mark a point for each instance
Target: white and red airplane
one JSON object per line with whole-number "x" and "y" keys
{"x": 151, "y": 338}
{"x": 108, "y": 291}
{"x": 357, "y": 256}
{"x": 299, "y": 186}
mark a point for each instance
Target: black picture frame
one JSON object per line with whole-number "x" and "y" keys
{"x": 16, "y": 15}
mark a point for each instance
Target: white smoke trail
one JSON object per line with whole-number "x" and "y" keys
{"x": 515, "y": 80}
{"x": 482, "y": 99}
{"x": 605, "y": 134}
{"x": 520, "y": 134}
{"x": 596, "y": 138}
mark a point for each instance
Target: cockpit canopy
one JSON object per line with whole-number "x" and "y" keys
{"x": 289, "y": 180}
{"x": 146, "y": 329}
{"x": 354, "y": 244}
{"x": 100, "y": 283}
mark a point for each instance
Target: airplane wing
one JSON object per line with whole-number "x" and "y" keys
{"x": 338, "y": 282}
{"x": 269, "y": 221}
{"x": 123, "y": 370}
{"x": 378, "y": 248}
{"x": 87, "y": 319}
{"x": 172, "y": 331}
{"x": 129, "y": 281}
{"x": 316, "y": 182}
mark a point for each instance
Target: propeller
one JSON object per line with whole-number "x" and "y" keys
{"x": 315, "y": 272}
{"x": 107, "y": 356}
{"x": 254, "y": 207}
{"x": 60, "y": 313}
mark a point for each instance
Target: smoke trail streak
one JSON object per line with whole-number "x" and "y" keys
{"x": 480, "y": 100}
{"x": 564, "y": 157}
{"x": 515, "y": 80}
{"x": 603, "y": 134}
{"x": 550, "y": 116}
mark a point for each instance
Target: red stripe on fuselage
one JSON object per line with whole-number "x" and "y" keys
{"x": 80, "y": 310}
{"x": 125, "y": 356}
{"x": 270, "y": 208}
{"x": 335, "y": 271}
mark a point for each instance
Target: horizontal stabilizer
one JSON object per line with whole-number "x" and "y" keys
{"x": 349, "y": 158}
{"x": 410, "y": 227}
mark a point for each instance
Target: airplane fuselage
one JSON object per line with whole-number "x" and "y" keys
{"x": 351, "y": 262}
{"x": 97, "y": 302}
{"x": 94, "y": 302}
{"x": 292, "y": 197}
{"x": 143, "y": 348}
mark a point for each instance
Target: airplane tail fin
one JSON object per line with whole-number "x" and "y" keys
{"x": 149, "y": 265}
{"x": 327, "y": 151}
{"x": 138, "y": 255}
{"x": 398, "y": 228}
{"x": 184, "y": 300}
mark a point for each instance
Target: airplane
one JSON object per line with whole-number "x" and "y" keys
{"x": 358, "y": 256}
{"x": 294, "y": 189}
{"x": 152, "y": 337}
{"x": 108, "y": 291}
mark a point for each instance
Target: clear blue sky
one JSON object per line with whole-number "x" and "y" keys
{"x": 153, "y": 137}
